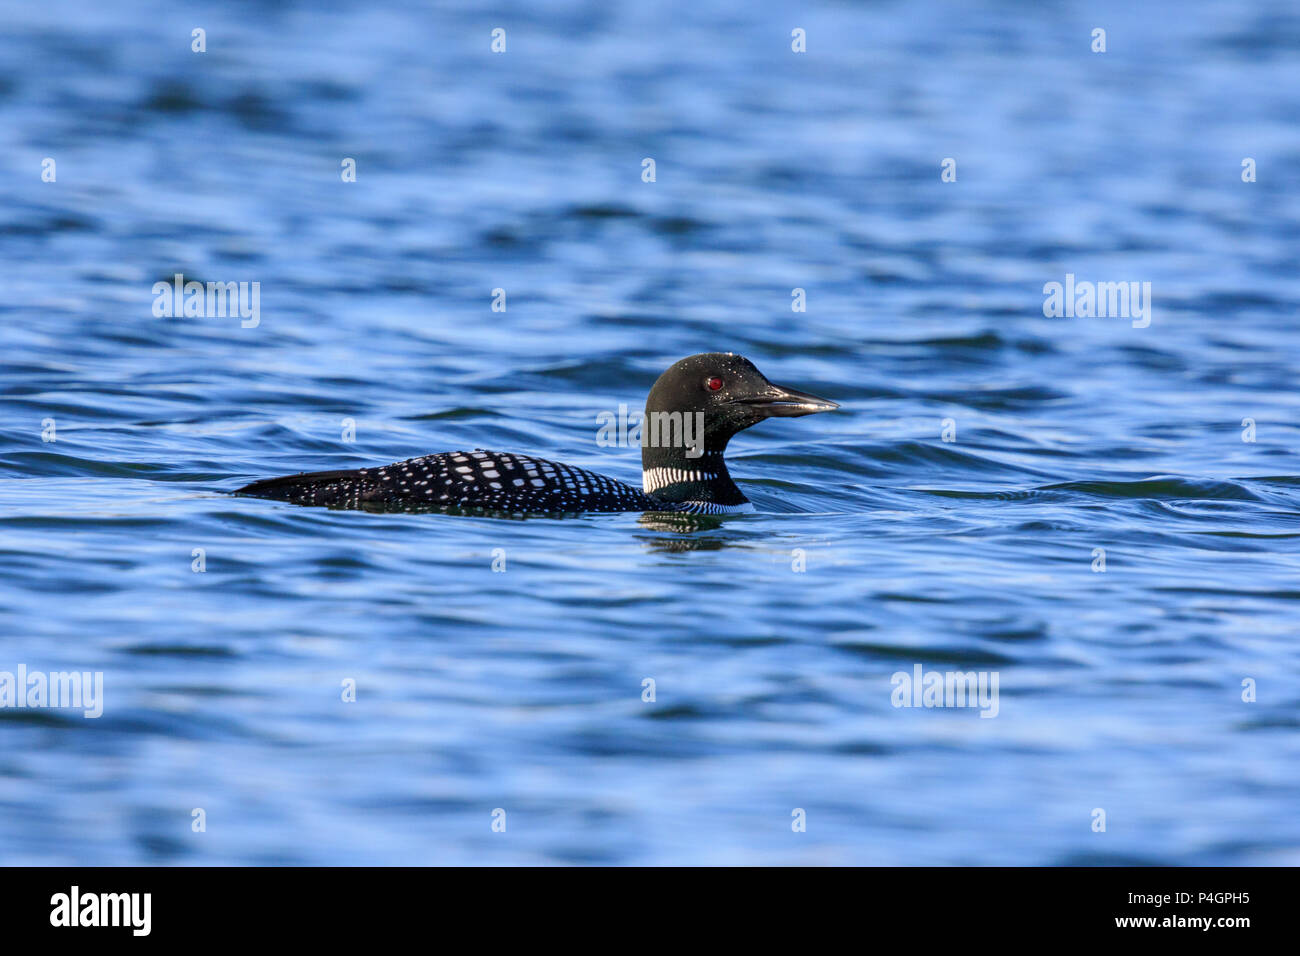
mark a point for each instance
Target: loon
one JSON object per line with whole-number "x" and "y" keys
{"x": 720, "y": 391}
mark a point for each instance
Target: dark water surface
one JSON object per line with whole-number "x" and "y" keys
{"x": 521, "y": 690}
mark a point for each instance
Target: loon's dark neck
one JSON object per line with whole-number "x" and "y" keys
{"x": 692, "y": 411}
{"x": 670, "y": 474}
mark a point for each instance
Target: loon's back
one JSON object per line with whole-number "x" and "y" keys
{"x": 487, "y": 480}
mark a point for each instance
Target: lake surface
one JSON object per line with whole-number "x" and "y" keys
{"x": 1073, "y": 440}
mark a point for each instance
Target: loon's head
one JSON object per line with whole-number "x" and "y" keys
{"x": 721, "y": 393}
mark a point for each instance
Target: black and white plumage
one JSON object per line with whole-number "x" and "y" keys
{"x": 683, "y": 470}
{"x": 491, "y": 480}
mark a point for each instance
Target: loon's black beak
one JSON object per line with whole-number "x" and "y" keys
{"x": 779, "y": 402}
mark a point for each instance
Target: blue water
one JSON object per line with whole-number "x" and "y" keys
{"x": 521, "y": 690}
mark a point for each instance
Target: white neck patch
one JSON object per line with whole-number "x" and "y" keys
{"x": 652, "y": 479}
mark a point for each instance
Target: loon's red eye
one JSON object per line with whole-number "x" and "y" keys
{"x": 713, "y": 384}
